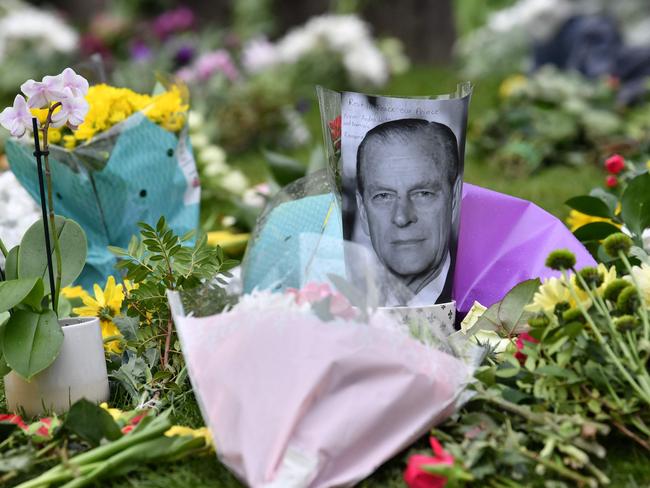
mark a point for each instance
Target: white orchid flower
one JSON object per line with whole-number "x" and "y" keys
{"x": 17, "y": 119}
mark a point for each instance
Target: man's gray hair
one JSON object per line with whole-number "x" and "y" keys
{"x": 438, "y": 136}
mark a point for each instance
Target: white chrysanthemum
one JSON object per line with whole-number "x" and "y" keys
{"x": 366, "y": 64}
{"x": 235, "y": 182}
{"x": 346, "y": 35}
{"x": 646, "y": 240}
{"x": 31, "y": 23}
{"x": 641, "y": 276}
{"x": 259, "y": 54}
{"x": 19, "y": 211}
{"x": 540, "y": 18}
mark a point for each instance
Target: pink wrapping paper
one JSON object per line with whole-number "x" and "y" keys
{"x": 296, "y": 402}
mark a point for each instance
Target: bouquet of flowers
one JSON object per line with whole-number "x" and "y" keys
{"x": 277, "y": 394}
{"x": 129, "y": 161}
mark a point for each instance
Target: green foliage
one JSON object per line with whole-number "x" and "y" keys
{"x": 544, "y": 412}
{"x": 156, "y": 262}
{"x": 602, "y": 237}
{"x": 32, "y": 257}
{"x": 507, "y": 317}
{"x": 553, "y": 117}
{"x": 91, "y": 423}
{"x": 31, "y": 341}
{"x": 31, "y": 337}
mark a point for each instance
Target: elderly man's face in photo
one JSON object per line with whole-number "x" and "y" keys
{"x": 406, "y": 206}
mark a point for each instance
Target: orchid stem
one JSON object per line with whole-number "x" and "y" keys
{"x": 50, "y": 205}
{"x": 3, "y": 249}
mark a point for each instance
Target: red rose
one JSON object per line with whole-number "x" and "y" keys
{"x": 416, "y": 477}
{"x": 615, "y": 164}
{"x": 524, "y": 336}
{"x": 611, "y": 181}
{"x": 335, "y": 131}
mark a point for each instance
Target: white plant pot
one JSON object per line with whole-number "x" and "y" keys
{"x": 79, "y": 371}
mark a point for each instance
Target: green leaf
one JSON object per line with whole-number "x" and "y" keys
{"x": 11, "y": 264}
{"x": 635, "y": 204}
{"x": 31, "y": 341}
{"x": 595, "y": 231}
{"x": 511, "y": 310}
{"x": 590, "y": 205}
{"x": 32, "y": 257}
{"x": 91, "y": 423}
{"x": 28, "y": 291}
{"x": 610, "y": 200}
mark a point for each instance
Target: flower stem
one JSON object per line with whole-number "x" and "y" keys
{"x": 50, "y": 206}
{"x": 564, "y": 471}
{"x": 3, "y": 249}
{"x": 645, "y": 396}
{"x": 643, "y": 306}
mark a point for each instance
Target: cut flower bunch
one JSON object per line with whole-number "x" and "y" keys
{"x": 572, "y": 375}
{"x": 109, "y": 105}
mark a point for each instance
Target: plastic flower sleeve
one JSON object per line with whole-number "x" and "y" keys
{"x": 300, "y": 389}
{"x": 135, "y": 171}
{"x": 503, "y": 240}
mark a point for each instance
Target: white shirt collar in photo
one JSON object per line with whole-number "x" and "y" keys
{"x": 430, "y": 293}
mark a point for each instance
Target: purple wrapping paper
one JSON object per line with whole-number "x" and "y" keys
{"x": 503, "y": 241}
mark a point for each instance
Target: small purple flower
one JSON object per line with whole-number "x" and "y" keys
{"x": 176, "y": 20}
{"x": 72, "y": 112}
{"x": 216, "y": 61}
{"x": 41, "y": 93}
{"x": 140, "y": 51}
{"x": 77, "y": 83}
{"x": 16, "y": 119}
{"x": 184, "y": 55}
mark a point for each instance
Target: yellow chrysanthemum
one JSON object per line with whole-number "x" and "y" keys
{"x": 512, "y": 85}
{"x": 71, "y": 292}
{"x": 110, "y": 105}
{"x": 106, "y": 305}
{"x": 204, "y": 432}
{"x": 647, "y": 164}
{"x": 168, "y": 110}
{"x": 555, "y": 290}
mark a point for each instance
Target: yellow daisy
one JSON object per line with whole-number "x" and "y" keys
{"x": 555, "y": 290}
{"x": 106, "y": 305}
{"x": 71, "y": 292}
{"x": 576, "y": 219}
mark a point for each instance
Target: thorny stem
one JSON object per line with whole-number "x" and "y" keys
{"x": 50, "y": 205}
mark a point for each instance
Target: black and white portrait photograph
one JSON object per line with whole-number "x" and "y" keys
{"x": 402, "y": 183}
